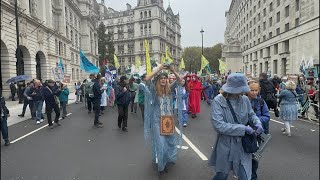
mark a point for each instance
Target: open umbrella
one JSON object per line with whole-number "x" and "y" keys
{"x": 18, "y": 78}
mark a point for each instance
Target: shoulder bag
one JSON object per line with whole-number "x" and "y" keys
{"x": 249, "y": 141}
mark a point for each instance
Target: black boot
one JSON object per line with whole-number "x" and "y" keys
{"x": 7, "y": 142}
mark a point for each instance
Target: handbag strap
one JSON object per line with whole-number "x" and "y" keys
{"x": 232, "y": 111}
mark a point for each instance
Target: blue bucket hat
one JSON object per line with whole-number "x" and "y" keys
{"x": 236, "y": 84}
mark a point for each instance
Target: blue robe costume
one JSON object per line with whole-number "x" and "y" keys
{"x": 164, "y": 148}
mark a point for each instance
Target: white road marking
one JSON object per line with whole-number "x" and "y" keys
{"x": 195, "y": 149}
{"x": 33, "y": 131}
{"x": 313, "y": 130}
{"x": 278, "y": 122}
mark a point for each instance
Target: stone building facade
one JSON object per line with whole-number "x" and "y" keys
{"x": 48, "y": 30}
{"x": 271, "y": 36}
{"x": 148, "y": 20}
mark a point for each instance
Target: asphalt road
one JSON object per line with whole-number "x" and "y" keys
{"x": 78, "y": 151}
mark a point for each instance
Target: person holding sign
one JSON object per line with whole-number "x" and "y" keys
{"x": 159, "y": 120}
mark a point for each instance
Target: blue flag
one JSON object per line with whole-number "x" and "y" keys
{"x": 61, "y": 65}
{"x": 86, "y": 65}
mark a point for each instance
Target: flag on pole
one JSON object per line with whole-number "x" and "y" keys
{"x": 163, "y": 59}
{"x": 116, "y": 61}
{"x": 148, "y": 61}
{"x": 61, "y": 65}
{"x": 137, "y": 62}
{"x": 222, "y": 66}
{"x": 168, "y": 56}
{"x": 181, "y": 65}
{"x": 86, "y": 65}
{"x": 204, "y": 62}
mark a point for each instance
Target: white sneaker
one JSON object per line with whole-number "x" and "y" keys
{"x": 38, "y": 122}
{"x": 185, "y": 125}
{"x": 283, "y": 129}
{"x": 41, "y": 120}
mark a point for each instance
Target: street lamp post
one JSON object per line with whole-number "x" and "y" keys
{"x": 202, "y": 31}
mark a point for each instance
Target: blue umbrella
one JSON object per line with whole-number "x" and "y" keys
{"x": 18, "y": 78}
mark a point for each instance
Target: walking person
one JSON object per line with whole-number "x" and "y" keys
{"x": 77, "y": 88}
{"x": 230, "y": 114}
{"x": 157, "y": 104}
{"x": 88, "y": 92}
{"x": 133, "y": 88}
{"x": 27, "y": 94}
{"x": 104, "y": 96}
{"x": 50, "y": 94}
{"x": 141, "y": 95}
{"x": 13, "y": 90}
{"x": 37, "y": 97}
{"x": 63, "y": 97}
{"x": 4, "y": 114}
{"x": 268, "y": 92}
{"x": 182, "y": 98}
{"x": 194, "y": 96}
{"x": 82, "y": 90}
{"x": 260, "y": 107}
{"x": 288, "y": 99}
{"x": 97, "y": 91}
{"x": 123, "y": 100}
{"x": 25, "y": 100}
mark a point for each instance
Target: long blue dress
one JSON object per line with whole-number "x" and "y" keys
{"x": 164, "y": 148}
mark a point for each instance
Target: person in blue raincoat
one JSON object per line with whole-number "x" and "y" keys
{"x": 157, "y": 103}
{"x": 228, "y": 153}
{"x": 261, "y": 109}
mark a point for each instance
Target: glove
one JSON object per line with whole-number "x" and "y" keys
{"x": 249, "y": 130}
{"x": 259, "y": 129}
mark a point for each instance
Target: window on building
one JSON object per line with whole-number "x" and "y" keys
{"x": 264, "y": 12}
{"x": 141, "y": 15}
{"x": 278, "y": 3}
{"x": 286, "y": 46}
{"x": 297, "y": 5}
{"x": 258, "y": 40}
{"x": 259, "y": 17}
{"x": 141, "y": 45}
{"x": 271, "y": 7}
{"x": 56, "y": 46}
{"x": 60, "y": 48}
{"x": 260, "y": 68}
{"x": 76, "y": 40}
{"x": 149, "y": 13}
{"x": 264, "y": 26}
{"x": 286, "y": 28}
{"x": 268, "y": 51}
{"x": 270, "y": 22}
{"x": 259, "y": 29}
{"x": 254, "y": 32}
{"x": 254, "y": 9}
{"x": 278, "y": 17}
{"x": 275, "y": 67}
{"x": 250, "y": 24}
{"x": 73, "y": 74}
{"x": 71, "y": 17}
{"x": 278, "y": 31}
{"x": 259, "y": 4}
{"x": 145, "y": 14}
{"x": 297, "y": 22}
{"x": 270, "y": 35}
{"x": 261, "y": 53}
{"x": 64, "y": 49}
{"x": 264, "y": 38}
{"x": 150, "y": 29}
{"x": 287, "y": 11}
{"x": 71, "y": 37}
{"x": 72, "y": 57}
{"x": 250, "y": 13}
{"x": 66, "y": 12}
{"x": 275, "y": 49}
{"x": 67, "y": 32}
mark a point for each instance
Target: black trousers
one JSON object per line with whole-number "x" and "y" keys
{"x": 25, "y": 104}
{"x": 96, "y": 107}
{"x": 123, "y": 116}
{"x": 89, "y": 103}
{"x": 49, "y": 109}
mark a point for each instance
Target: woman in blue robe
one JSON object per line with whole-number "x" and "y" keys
{"x": 157, "y": 103}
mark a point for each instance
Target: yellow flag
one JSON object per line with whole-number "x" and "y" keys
{"x": 204, "y": 62}
{"x": 181, "y": 65}
{"x": 163, "y": 59}
{"x": 222, "y": 66}
{"x": 116, "y": 62}
{"x": 168, "y": 56}
{"x": 148, "y": 61}
{"x": 137, "y": 62}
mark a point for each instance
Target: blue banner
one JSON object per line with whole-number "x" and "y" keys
{"x": 61, "y": 65}
{"x": 86, "y": 65}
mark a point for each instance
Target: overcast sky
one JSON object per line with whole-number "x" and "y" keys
{"x": 194, "y": 14}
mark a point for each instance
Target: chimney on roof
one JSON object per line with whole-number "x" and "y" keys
{"x": 128, "y": 6}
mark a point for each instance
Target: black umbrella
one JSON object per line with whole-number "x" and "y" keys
{"x": 18, "y": 78}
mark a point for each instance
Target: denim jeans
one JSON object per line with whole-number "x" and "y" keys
{"x": 4, "y": 128}
{"x": 255, "y": 164}
{"x": 241, "y": 176}
{"x": 38, "y": 107}
{"x": 184, "y": 116}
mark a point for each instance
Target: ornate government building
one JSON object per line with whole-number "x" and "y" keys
{"x": 148, "y": 20}
{"x": 271, "y": 36}
{"x": 48, "y": 30}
